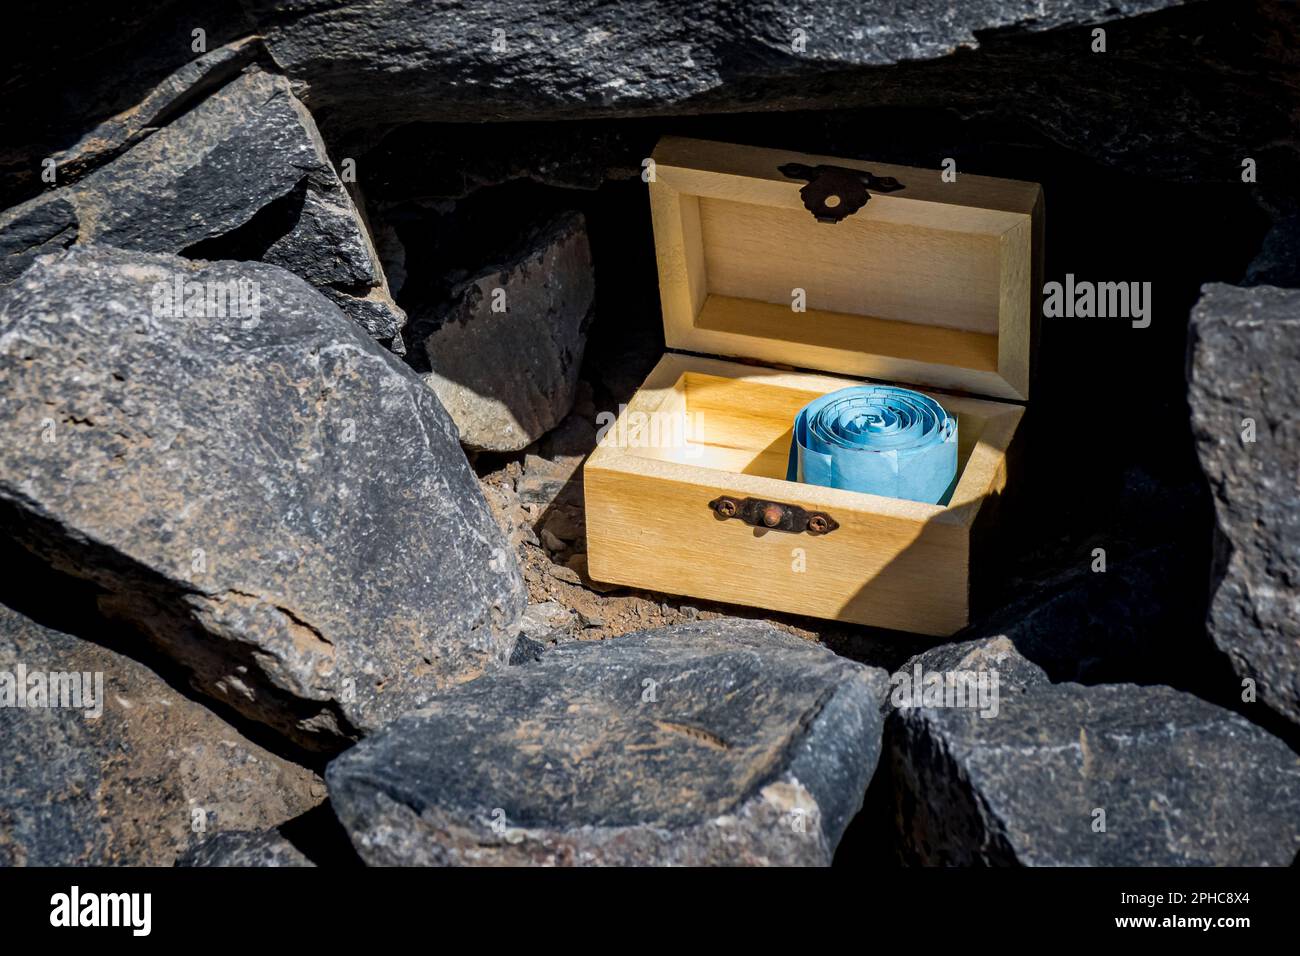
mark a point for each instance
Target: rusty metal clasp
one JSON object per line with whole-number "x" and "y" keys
{"x": 773, "y": 515}
{"x": 834, "y": 193}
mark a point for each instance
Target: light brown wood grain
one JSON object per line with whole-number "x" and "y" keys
{"x": 931, "y": 285}
{"x": 861, "y": 266}
{"x": 892, "y": 563}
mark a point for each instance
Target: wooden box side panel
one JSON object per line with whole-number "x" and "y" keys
{"x": 650, "y": 531}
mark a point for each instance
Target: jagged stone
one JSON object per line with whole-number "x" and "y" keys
{"x": 241, "y": 174}
{"x": 278, "y": 502}
{"x": 719, "y": 742}
{"x": 1066, "y": 775}
{"x": 504, "y": 354}
{"x": 1243, "y": 376}
{"x": 996, "y": 655}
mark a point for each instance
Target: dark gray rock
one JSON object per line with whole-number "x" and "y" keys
{"x": 241, "y": 174}
{"x": 133, "y": 785}
{"x": 370, "y": 67}
{"x": 726, "y": 742}
{"x": 205, "y": 174}
{"x": 504, "y": 354}
{"x": 35, "y": 229}
{"x": 245, "y": 848}
{"x": 402, "y": 64}
{"x": 1009, "y": 671}
{"x": 1244, "y": 363}
{"x": 175, "y": 94}
{"x": 276, "y": 500}
{"x": 384, "y": 65}
{"x": 542, "y": 489}
{"x": 526, "y": 649}
{"x": 377, "y": 313}
{"x": 1181, "y": 782}
{"x": 541, "y": 622}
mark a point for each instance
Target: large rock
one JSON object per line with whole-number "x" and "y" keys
{"x": 548, "y": 56}
{"x": 503, "y": 354}
{"x": 245, "y": 848}
{"x": 136, "y": 784}
{"x": 391, "y": 63}
{"x": 383, "y": 64}
{"x": 276, "y": 500}
{"x": 1244, "y": 363}
{"x": 1066, "y": 775}
{"x": 241, "y": 174}
{"x": 725, "y": 742}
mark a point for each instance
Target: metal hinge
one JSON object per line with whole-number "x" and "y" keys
{"x": 773, "y": 515}
{"x": 834, "y": 193}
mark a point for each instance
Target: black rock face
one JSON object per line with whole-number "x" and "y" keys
{"x": 502, "y": 353}
{"x": 240, "y": 174}
{"x": 275, "y": 499}
{"x": 1243, "y": 376}
{"x": 717, "y": 743}
{"x": 1066, "y": 775}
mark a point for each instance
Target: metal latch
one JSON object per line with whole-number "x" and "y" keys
{"x": 834, "y": 193}
{"x": 773, "y": 515}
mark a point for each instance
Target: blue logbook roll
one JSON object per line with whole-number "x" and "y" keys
{"x": 877, "y": 439}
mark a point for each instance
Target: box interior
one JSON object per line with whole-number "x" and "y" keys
{"x": 744, "y": 426}
{"x": 929, "y": 285}
{"x": 861, "y": 266}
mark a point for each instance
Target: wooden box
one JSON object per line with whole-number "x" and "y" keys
{"x": 928, "y": 285}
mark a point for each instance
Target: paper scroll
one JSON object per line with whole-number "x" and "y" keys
{"x": 876, "y": 439}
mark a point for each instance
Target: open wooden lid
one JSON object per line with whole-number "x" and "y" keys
{"x": 929, "y": 284}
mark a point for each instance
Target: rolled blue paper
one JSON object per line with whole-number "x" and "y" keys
{"x": 876, "y": 439}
